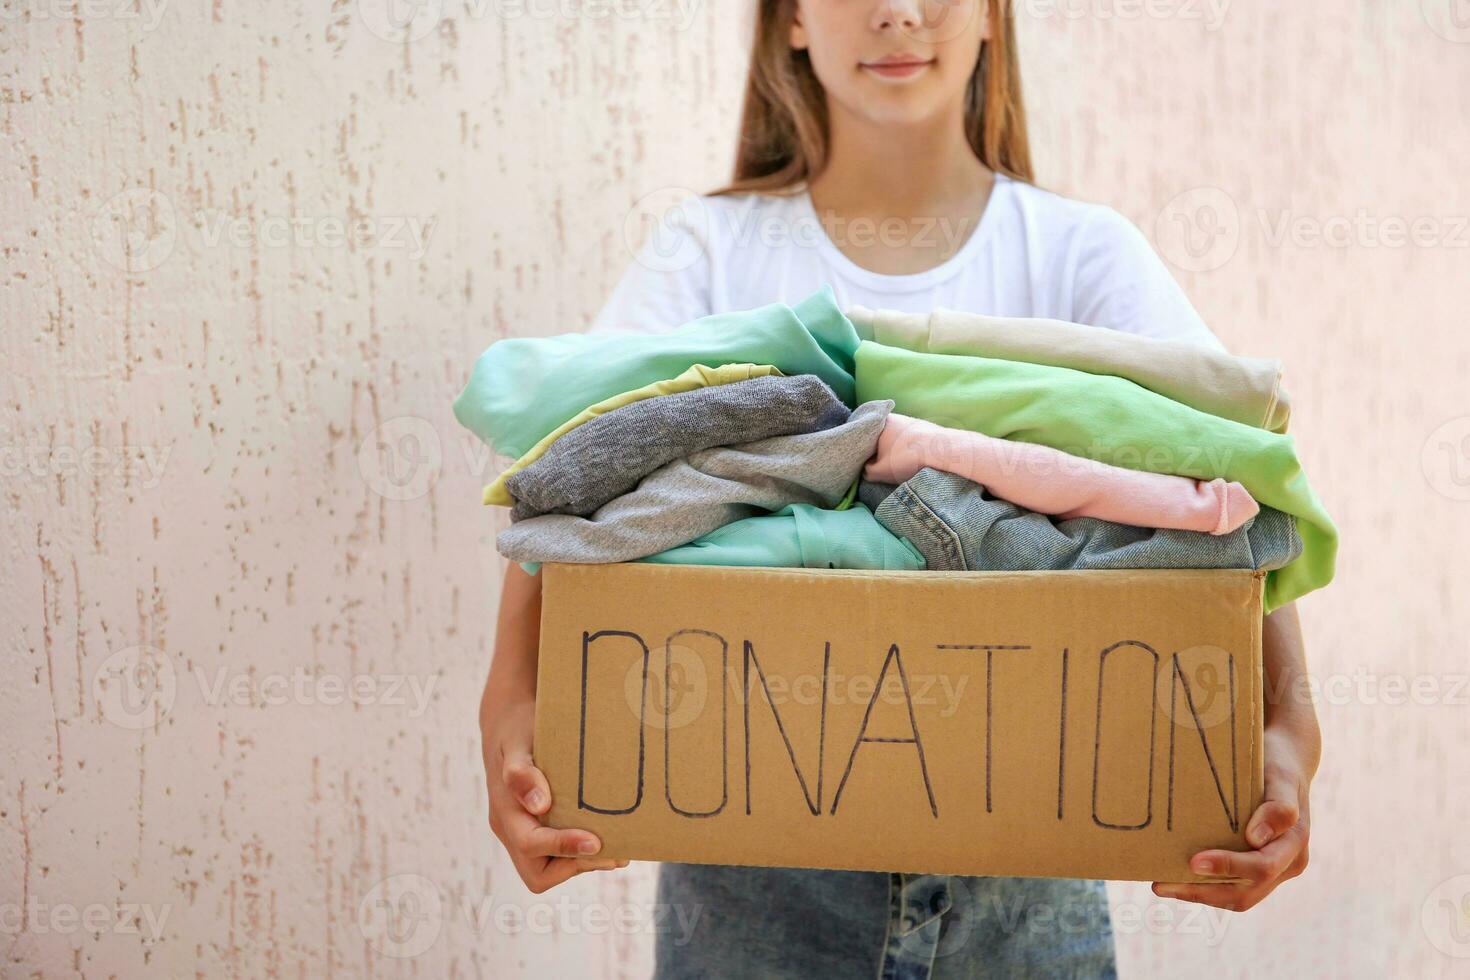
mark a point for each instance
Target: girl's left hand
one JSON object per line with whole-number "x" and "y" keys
{"x": 1278, "y": 831}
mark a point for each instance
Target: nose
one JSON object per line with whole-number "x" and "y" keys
{"x": 904, "y": 15}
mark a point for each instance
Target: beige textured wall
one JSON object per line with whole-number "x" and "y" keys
{"x": 246, "y": 254}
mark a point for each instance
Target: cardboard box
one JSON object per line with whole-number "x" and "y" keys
{"x": 1062, "y": 724}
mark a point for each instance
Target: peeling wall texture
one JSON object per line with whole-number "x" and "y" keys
{"x": 247, "y": 254}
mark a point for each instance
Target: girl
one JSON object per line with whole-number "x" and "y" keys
{"x": 883, "y": 150}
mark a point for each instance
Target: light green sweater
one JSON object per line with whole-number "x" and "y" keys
{"x": 1112, "y": 420}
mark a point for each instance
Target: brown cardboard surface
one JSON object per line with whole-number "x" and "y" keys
{"x": 1067, "y": 724}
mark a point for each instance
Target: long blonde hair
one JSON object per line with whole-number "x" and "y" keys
{"x": 783, "y": 124}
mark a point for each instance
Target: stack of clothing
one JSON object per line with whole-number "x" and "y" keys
{"x": 803, "y": 436}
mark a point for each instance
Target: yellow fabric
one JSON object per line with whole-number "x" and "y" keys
{"x": 698, "y": 376}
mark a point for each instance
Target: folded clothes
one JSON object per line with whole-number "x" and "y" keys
{"x": 1243, "y": 389}
{"x": 596, "y": 462}
{"x": 1115, "y": 421}
{"x": 1050, "y": 481}
{"x": 690, "y": 497}
{"x": 697, "y": 376}
{"x": 799, "y": 536}
{"x": 524, "y": 387}
{"x": 958, "y": 525}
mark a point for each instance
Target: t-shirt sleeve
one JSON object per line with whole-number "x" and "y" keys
{"x": 668, "y": 282}
{"x": 1121, "y": 283}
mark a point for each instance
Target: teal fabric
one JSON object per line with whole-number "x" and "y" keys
{"x": 799, "y": 536}
{"x": 1113, "y": 420}
{"x": 524, "y": 387}
{"x": 796, "y": 536}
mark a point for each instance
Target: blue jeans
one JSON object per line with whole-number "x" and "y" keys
{"x": 788, "y": 922}
{"x": 958, "y": 526}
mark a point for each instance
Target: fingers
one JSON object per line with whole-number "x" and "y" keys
{"x": 1258, "y": 873}
{"x": 1254, "y": 867}
{"x": 527, "y": 783}
{"x": 540, "y": 876}
{"x": 1280, "y": 809}
{"x": 549, "y": 842}
{"x": 543, "y": 856}
{"x": 1232, "y": 898}
{"x": 1271, "y": 819}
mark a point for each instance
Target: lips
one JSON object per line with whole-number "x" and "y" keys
{"x": 897, "y": 66}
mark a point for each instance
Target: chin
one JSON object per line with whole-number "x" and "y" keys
{"x": 896, "y": 108}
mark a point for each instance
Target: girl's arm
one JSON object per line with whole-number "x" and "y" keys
{"x": 519, "y": 792}
{"x": 1278, "y": 830}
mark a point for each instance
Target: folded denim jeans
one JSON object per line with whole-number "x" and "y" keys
{"x": 958, "y": 526}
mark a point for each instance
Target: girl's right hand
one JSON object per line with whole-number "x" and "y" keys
{"x": 520, "y": 794}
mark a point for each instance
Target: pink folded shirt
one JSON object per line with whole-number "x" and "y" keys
{"x": 1050, "y": 481}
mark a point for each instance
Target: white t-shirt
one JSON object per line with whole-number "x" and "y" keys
{"x": 1033, "y": 254}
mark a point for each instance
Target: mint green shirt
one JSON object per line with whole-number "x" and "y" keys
{"x": 796, "y": 536}
{"x": 522, "y": 388}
